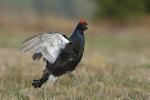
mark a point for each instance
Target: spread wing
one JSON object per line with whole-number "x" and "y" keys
{"x": 47, "y": 45}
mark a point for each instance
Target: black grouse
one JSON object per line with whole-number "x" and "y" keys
{"x": 60, "y": 53}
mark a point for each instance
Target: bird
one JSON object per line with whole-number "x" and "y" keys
{"x": 62, "y": 54}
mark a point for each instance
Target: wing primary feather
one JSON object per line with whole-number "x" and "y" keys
{"x": 30, "y": 46}
{"x": 31, "y": 41}
{"x": 47, "y": 45}
{"x": 36, "y": 36}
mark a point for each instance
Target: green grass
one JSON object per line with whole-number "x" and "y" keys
{"x": 114, "y": 67}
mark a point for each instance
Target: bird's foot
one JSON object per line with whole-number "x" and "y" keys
{"x": 36, "y": 83}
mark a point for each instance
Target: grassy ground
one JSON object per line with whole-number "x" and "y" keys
{"x": 115, "y": 66}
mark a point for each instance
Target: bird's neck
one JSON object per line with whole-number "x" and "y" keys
{"x": 77, "y": 39}
{"x": 77, "y": 33}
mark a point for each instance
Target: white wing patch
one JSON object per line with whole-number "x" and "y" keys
{"x": 50, "y": 45}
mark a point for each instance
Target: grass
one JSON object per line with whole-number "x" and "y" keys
{"x": 114, "y": 67}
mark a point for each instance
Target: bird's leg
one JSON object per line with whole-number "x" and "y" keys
{"x": 41, "y": 81}
{"x": 52, "y": 79}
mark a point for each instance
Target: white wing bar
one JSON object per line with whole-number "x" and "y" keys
{"x": 50, "y": 45}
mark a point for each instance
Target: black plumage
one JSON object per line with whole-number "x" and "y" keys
{"x": 68, "y": 59}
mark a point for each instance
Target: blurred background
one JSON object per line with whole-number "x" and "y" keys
{"x": 116, "y": 63}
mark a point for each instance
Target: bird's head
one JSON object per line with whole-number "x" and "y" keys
{"x": 82, "y": 25}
